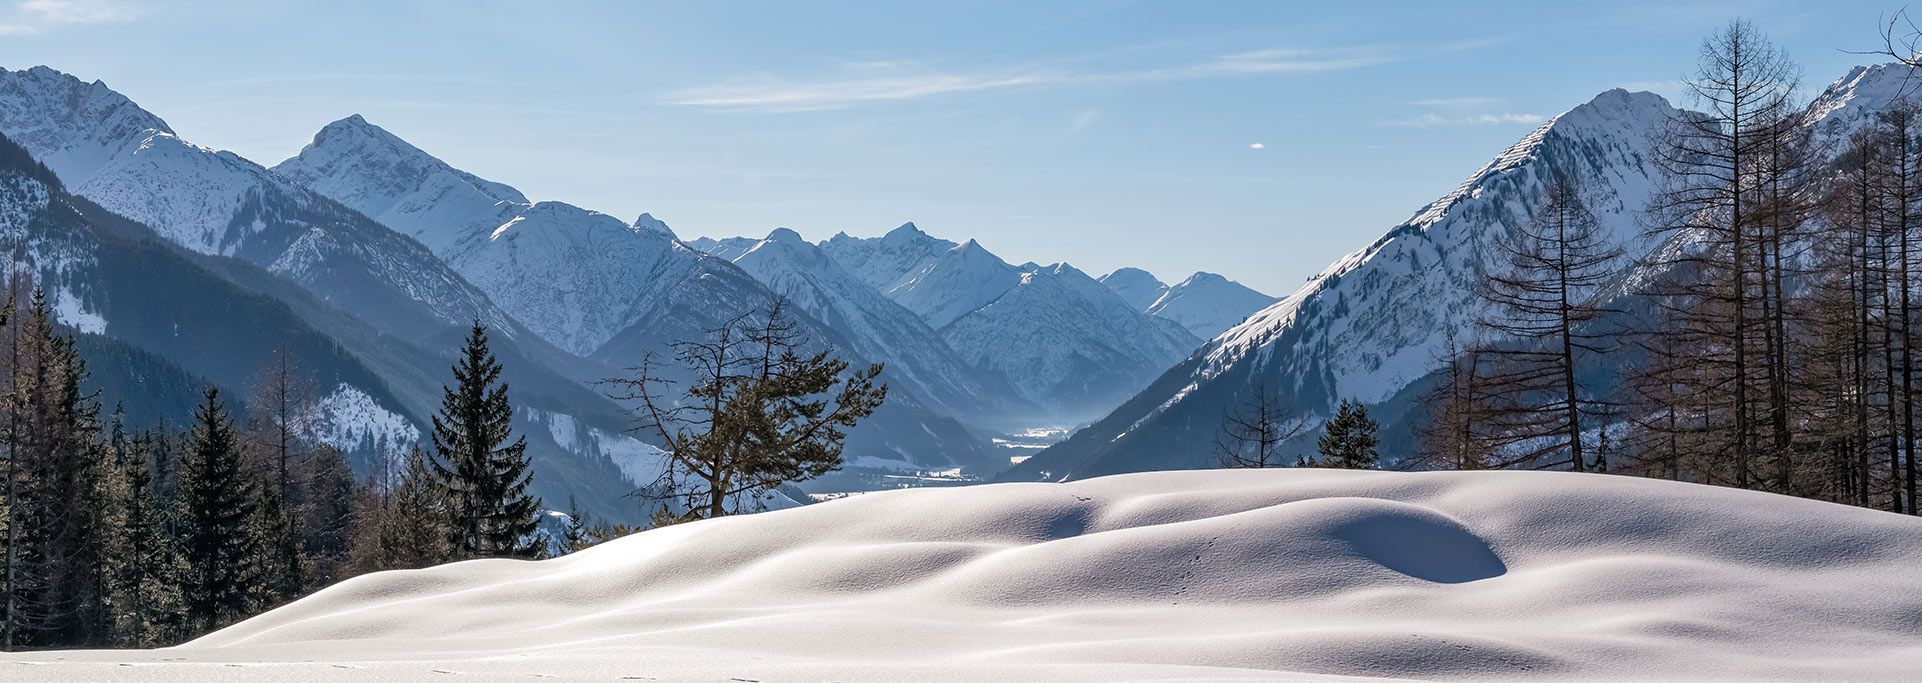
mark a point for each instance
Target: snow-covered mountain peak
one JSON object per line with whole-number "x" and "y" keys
{"x": 1138, "y": 287}
{"x": 72, "y": 126}
{"x": 580, "y": 279}
{"x": 1202, "y": 277}
{"x": 886, "y": 262}
{"x": 1870, "y": 88}
{"x": 647, "y": 221}
{"x": 793, "y": 252}
{"x": 1207, "y": 304}
{"x": 1859, "y": 96}
{"x": 366, "y": 167}
{"x": 908, "y": 232}
{"x": 1376, "y": 320}
{"x": 1603, "y": 121}
{"x": 786, "y": 235}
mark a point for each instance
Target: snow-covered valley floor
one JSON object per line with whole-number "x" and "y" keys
{"x": 1290, "y": 575}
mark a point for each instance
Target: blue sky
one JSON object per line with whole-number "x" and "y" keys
{"x": 1260, "y": 140}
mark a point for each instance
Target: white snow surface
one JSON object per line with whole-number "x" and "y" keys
{"x": 1246, "y": 575}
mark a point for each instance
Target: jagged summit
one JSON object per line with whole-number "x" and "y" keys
{"x": 647, "y": 221}
{"x": 1859, "y": 95}
{"x": 366, "y": 167}
{"x": 72, "y": 126}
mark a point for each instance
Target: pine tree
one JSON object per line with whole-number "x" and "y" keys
{"x": 410, "y": 526}
{"x": 216, "y": 510}
{"x": 574, "y": 533}
{"x": 59, "y": 587}
{"x": 1348, "y": 440}
{"x": 482, "y": 475}
{"x": 146, "y": 566}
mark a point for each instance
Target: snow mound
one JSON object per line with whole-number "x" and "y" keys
{"x": 1294, "y": 575}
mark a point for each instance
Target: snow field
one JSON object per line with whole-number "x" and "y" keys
{"x": 1278, "y": 575}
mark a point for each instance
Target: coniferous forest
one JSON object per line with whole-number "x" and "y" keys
{"x": 118, "y": 537}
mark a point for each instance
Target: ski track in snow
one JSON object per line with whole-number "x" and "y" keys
{"x": 1275, "y": 575}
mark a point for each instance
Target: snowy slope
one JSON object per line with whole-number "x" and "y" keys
{"x": 955, "y": 283}
{"x": 1068, "y": 342}
{"x": 1275, "y": 575}
{"x": 1376, "y": 320}
{"x": 1138, "y": 287}
{"x": 878, "y": 329}
{"x": 576, "y": 277}
{"x": 1207, "y": 304}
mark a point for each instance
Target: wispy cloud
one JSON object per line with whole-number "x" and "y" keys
{"x": 1257, "y": 146}
{"x": 870, "y": 82}
{"x": 866, "y": 82}
{"x": 38, "y": 16}
{"x": 1464, "y": 111}
{"x": 1431, "y": 120}
{"x": 1293, "y": 61}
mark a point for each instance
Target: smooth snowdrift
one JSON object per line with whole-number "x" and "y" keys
{"x": 1298, "y": 575}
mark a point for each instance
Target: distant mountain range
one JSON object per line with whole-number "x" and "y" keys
{"x": 1060, "y": 339}
{"x": 381, "y": 254}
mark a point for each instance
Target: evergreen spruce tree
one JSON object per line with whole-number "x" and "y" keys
{"x": 483, "y": 475}
{"x": 1348, "y": 440}
{"x": 216, "y": 509}
{"x": 574, "y": 534}
{"x": 58, "y": 588}
{"x": 145, "y": 567}
{"x": 412, "y": 527}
